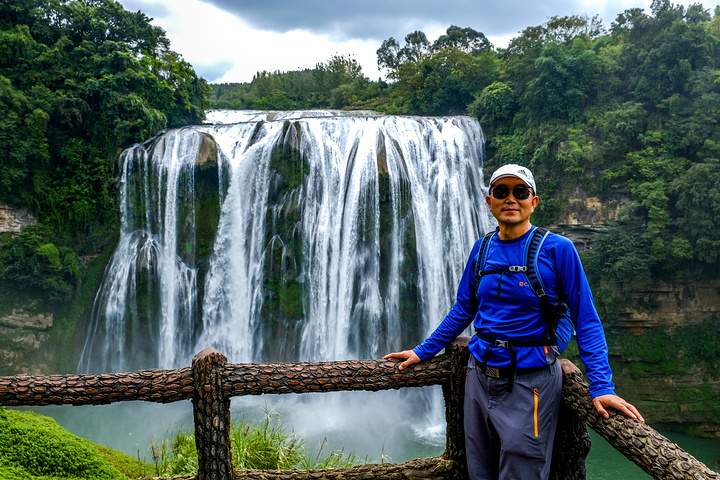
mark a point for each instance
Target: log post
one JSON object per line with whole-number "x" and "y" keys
{"x": 454, "y": 393}
{"x": 211, "y": 411}
{"x": 571, "y": 447}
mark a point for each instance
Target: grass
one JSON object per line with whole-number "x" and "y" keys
{"x": 34, "y": 447}
{"x": 267, "y": 446}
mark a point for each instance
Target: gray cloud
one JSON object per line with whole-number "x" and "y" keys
{"x": 380, "y": 19}
{"x": 212, "y": 72}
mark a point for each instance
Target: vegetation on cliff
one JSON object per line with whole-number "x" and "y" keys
{"x": 78, "y": 81}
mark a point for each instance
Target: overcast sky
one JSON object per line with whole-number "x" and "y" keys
{"x": 231, "y": 40}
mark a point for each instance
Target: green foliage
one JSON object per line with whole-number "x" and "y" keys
{"x": 337, "y": 83}
{"x": 290, "y": 165}
{"x": 33, "y": 446}
{"x": 32, "y": 261}
{"x": 621, "y": 257}
{"x": 494, "y": 105}
{"x": 78, "y": 81}
{"x": 180, "y": 459}
{"x": 268, "y": 446}
{"x": 661, "y": 351}
{"x": 445, "y": 82}
{"x": 697, "y": 195}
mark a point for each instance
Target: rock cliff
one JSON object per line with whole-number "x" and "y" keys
{"x": 12, "y": 220}
{"x": 661, "y": 338}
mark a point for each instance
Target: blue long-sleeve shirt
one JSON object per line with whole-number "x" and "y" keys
{"x": 517, "y": 314}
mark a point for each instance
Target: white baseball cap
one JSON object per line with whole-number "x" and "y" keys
{"x": 513, "y": 170}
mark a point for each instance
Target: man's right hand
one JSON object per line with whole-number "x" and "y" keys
{"x": 409, "y": 356}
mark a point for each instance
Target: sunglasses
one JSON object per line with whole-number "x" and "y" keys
{"x": 520, "y": 193}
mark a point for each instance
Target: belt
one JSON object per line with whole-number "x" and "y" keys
{"x": 510, "y": 344}
{"x": 499, "y": 372}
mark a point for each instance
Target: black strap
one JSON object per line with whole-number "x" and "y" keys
{"x": 511, "y": 344}
{"x": 550, "y": 310}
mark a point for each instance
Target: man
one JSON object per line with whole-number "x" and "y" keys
{"x": 513, "y": 386}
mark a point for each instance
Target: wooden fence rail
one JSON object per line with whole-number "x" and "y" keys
{"x": 211, "y": 382}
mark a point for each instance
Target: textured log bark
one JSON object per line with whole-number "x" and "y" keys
{"x": 571, "y": 447}
{"x": 454, "y": 393}
{"x": 652, "y": 452}
{"x": 437, "y": 468}
{"x": 160, "y": 386}
{"x": 372, "y": 375}
{"x": 211, "y": 407}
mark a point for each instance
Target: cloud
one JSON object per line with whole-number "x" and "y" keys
{"x": 380, "y": 19}
{"x": 213, "y": 71}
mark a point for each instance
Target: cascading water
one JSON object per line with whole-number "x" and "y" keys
{"x": 147, "y": 300}
{"x": 334, "y": 236}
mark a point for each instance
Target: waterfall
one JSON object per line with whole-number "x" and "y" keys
{"x": 288, "y": 236}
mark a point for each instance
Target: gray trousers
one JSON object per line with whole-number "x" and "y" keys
{"x": 510, "y": 435}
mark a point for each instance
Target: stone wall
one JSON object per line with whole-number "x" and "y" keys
{"x": 24, "y": 333}
{"x": 13, "y": 220}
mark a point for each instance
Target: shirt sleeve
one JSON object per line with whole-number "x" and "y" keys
{"x": 590, "y": 335}
{"x": 460, "y": 316}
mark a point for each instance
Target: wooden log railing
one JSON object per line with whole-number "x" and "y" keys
{"x": 210, "y": 383}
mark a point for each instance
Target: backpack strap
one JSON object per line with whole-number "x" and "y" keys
{"x": 550, "y": 311}
{"x": 532, "y": 248}
{"x": 481, "y": 258}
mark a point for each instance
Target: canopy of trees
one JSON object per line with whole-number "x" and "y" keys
{"x": 78, "y": 81}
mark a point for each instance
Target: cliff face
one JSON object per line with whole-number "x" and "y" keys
{"x": 13, "y": 220}
{"x": 661, "y": 339}
{"x": 23, "y": 329}
{"x": 24, "y": 333}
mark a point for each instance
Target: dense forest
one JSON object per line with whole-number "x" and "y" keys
{"x": 626, "y": 112}
{"x": 78, "y": 81}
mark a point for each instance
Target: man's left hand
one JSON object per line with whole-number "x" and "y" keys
{"x": 602, "y": 402}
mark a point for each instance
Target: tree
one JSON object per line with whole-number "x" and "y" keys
{"x": 446, "y": 81}
{"x": 697, "y": 195}
{"x": 465, "y": 39}
{"x": 391, "y": 57}
{"x": 78, "y": 81}
{"x": 388, "y": 58}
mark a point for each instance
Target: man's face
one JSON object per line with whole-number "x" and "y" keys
{"x": 510, "y": 211}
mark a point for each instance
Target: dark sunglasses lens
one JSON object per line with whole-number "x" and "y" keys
{"x": 521, "y": 193}
{"x": 500, "y": 192}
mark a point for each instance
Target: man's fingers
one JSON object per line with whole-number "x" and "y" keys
{"x": 409, "y": 357}
{"x": 613, "y": 401}
{"x": 600, "y": 409}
